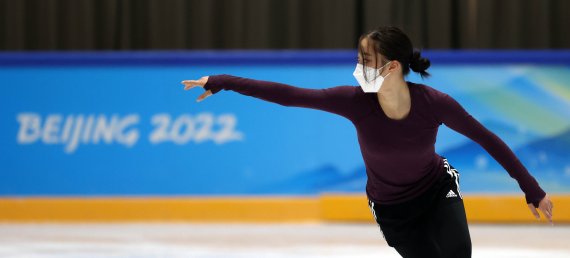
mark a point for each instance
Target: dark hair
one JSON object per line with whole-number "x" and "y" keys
{"x": 394, "y": 44}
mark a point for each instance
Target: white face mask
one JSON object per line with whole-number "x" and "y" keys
{"x": 375, "y": 80}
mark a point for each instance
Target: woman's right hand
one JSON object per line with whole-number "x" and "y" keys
{"x": 189, "y": 84}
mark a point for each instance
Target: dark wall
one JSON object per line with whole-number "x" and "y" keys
{"x": 278, "y": 24}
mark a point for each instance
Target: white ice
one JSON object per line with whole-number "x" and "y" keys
{"x": 307, "y": 240}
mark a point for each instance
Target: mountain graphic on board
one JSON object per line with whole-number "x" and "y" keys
{"x": 550, "y": 153}
{"x": 526, "y": 88}
{"x": 547, "y": 155}
{"x": 471, "y": 156}
{"x": 547, "y": 158}
{"x": 325, "y": 178}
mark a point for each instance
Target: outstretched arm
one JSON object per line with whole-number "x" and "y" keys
{"x": 452, "y": 114}
{"x": 335, "y": 100}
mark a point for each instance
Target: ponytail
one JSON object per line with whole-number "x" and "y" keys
{"x": 419, "y": 64}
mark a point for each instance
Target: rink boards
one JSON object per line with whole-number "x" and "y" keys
{"x": 112, "y": 136}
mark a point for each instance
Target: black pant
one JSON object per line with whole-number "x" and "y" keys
{"x": 431, "y": 225}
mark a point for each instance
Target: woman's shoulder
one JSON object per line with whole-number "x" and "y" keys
{"x": 431, "y": 99}
{"x": 431, "y": 94}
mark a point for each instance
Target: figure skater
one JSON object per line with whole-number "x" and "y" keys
{"x": 413, "y": 192}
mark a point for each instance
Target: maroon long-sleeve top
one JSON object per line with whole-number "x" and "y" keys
{"x": 399, "y": 155}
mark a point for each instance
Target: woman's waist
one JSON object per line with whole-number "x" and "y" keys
{"x": 405, "y": 185}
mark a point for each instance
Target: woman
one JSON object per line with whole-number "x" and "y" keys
{"x": 413, "y": 192}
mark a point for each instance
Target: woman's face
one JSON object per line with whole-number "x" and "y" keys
{"x": 367, "y": 56}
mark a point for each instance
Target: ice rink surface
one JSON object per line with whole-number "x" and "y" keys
{"x": 307, "y": 240}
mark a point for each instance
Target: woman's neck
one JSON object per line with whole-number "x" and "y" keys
{"x": 394, "y": 92}
{"x": 394, "y": 98}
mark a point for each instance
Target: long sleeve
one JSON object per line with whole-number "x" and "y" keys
{"x": 335, "y": 100}
{"x": 453, "y": 115}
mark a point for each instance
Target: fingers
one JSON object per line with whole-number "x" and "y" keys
{"x": 550, "y": 208}
{"x": 545, "y": 206}
{"x": 534, "y": 211}
{"x": 546, "y": 209}
{"x": 204, "y": 95}
{"x": 547, "y": 214}
{"x": 197, "y": 82}
{"x": 189, "y": 84}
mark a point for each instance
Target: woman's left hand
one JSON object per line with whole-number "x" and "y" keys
{"x": 545, "y": 206}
